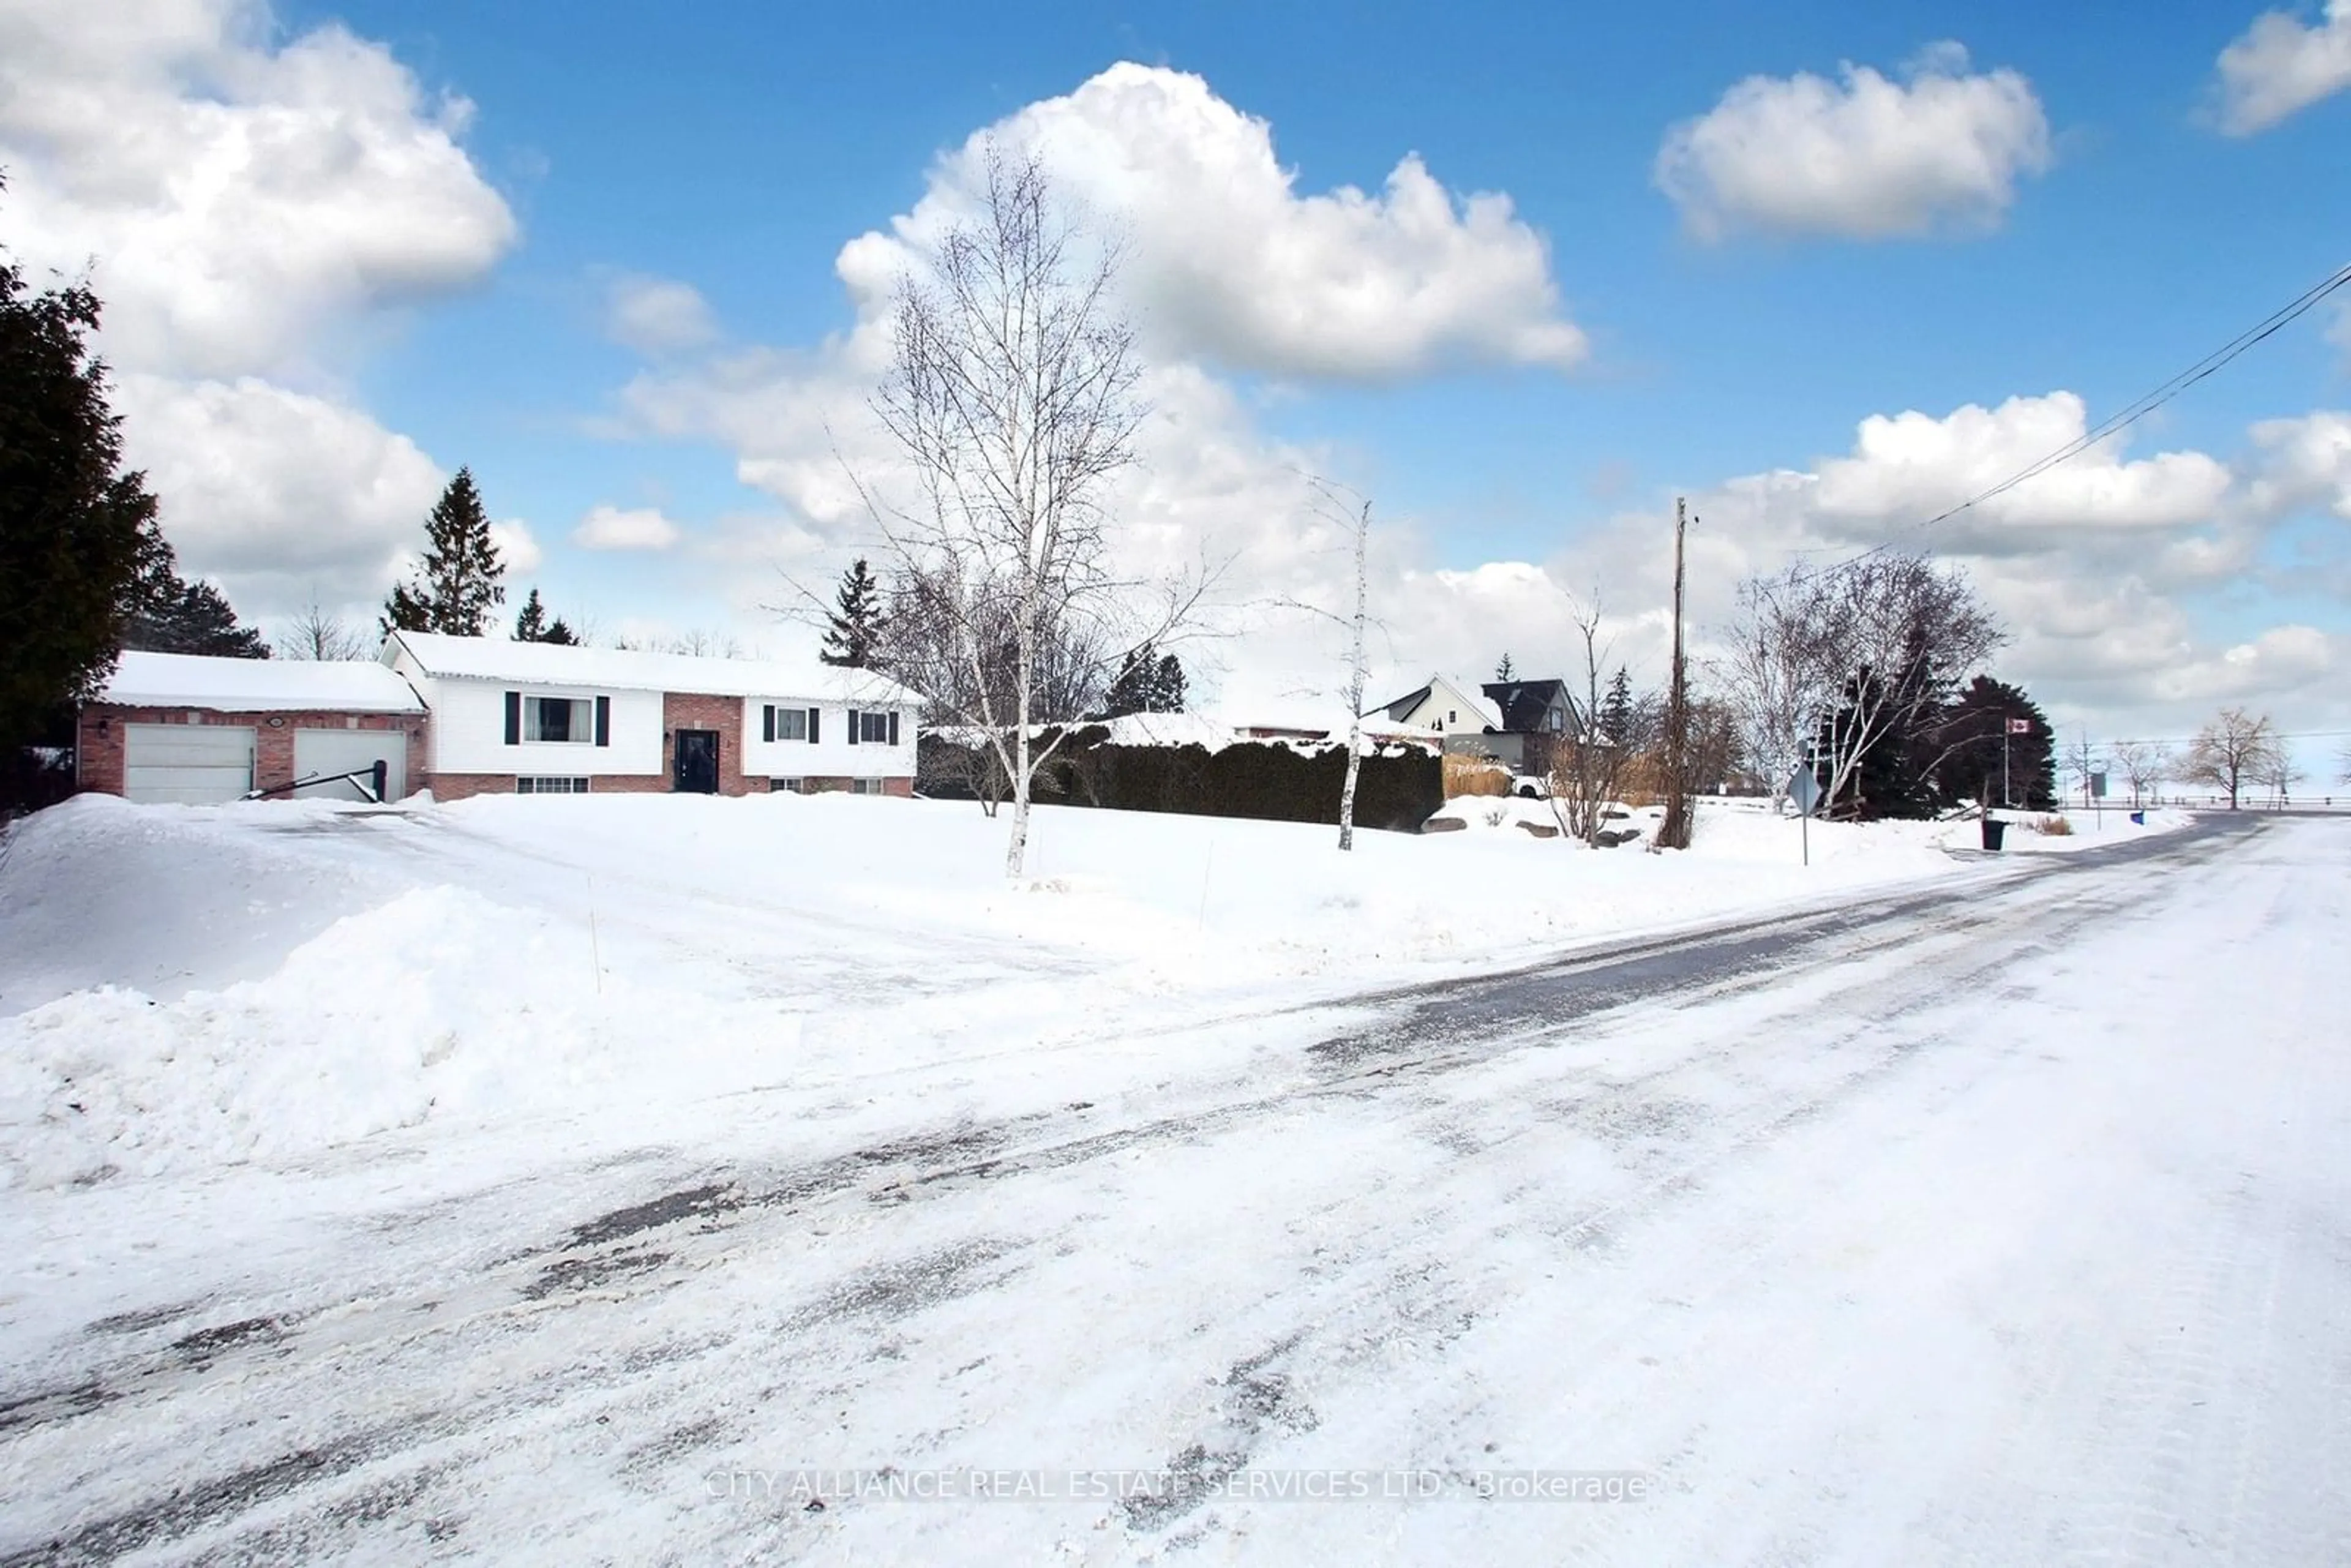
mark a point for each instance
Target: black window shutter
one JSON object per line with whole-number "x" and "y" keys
{"x": 812, "y": 718}
{"x": 852, "y": 727}
{"x": 603, "y": 721}
{"x": 767, "y": 722}
{"x": 893, "y": 727}
{"x": 514, "y": 718}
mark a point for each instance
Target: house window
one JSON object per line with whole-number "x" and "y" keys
{"x": 792, "y": 724}
{"x": 1452, "y": 716}
{"x": 569, "y": 719}
{"x": 528, "y": 785}
{"x": 865, "y": 786}
{"x": 873, "y": 728}
{"x": 784, "y": 785}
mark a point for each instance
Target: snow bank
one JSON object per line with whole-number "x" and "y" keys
{"x": 440, "y": 1003}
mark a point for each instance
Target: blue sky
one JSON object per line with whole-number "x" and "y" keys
{"x": 2140, "y": 218}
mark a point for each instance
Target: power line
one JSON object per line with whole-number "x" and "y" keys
{"x": 2132, "y": 413}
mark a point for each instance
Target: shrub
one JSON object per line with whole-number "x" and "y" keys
{"x": 2054, "y": 827}
{"x": 1474, "y": 776}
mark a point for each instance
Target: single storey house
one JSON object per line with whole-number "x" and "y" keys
{"x": 549, "y": 718}
{"x": 180, "y": 728}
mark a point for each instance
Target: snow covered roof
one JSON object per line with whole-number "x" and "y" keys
{"x": 258, "y": 685}
{"x": 555, "y": 664}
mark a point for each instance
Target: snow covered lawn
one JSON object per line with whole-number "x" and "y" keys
{"x": 183, "y": 986}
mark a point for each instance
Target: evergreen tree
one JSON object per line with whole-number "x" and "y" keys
{"x": 1147, "y": 682}
{"x": 74, "y": 530}
{"x": 533, "y": 626}
{"x": 1503, "y": 670}
{"x": 461, "y": 578}
{"x": 1976, "y": 747}
{"x": 1169, "y": 690}
{"x": 1615, "y": 717}
{"x": 169, "y": 616}
{"x": 854, "y": 632}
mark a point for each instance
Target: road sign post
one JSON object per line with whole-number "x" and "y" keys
{"x": 1804, "y": 790}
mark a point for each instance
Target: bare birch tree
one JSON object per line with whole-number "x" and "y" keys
{"x": 1012, "y": 396}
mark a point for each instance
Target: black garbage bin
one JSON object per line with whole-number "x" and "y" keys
{"x": 1992, "y": 830}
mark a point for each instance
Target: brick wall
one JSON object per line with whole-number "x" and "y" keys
{"x": 684, "y": 710}
{"x": 449, "y": 787}
{"x": 98, "y": 743}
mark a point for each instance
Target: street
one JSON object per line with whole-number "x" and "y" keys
{"x": 2001, "y": 1222}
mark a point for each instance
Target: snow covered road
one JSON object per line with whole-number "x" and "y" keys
{"x": 2005, "y": 1221}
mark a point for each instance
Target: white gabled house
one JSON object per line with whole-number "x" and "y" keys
{"x": 1445, "y": 708}
{"x": 547, "y": 718}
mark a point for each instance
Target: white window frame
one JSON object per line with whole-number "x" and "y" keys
{"x": 786, "y": 786}
{"x": 549, "y": 784}
{"x": 792, "y": 724}
{"x": 865, "y": 786}
{"x": 580, "y": 720}
{"x": 873, "y": 727}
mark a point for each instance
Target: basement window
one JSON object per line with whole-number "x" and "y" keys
{"x": 865, "y": 786}
{"x": 529, "y": 785}
{"x": 784, "y": 785}
{"x": 568, "y": 719}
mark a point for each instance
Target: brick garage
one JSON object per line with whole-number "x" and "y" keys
{"x": 101, "y": 756}
{"x": 171, "y": 727}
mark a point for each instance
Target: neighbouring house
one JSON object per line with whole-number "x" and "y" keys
{"x": 1536, "y": 714}
{"x": 179, "y": 727}
{"x": 1513, "y": 723}
{"x": 550, "y": 718}
{"x": 1445, "y": 708}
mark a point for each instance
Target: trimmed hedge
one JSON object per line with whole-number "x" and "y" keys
{"x": 1249, "y": 779}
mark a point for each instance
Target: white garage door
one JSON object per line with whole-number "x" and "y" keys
{"x": 319, "y": 751}
{"x": 192, "y": 764}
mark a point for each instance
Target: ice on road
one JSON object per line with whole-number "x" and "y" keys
{"x": 2004, "y": 1221}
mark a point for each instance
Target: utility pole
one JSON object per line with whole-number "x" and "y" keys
{"x": 1674, "y": 832}
{"x": 1355, "y": 689}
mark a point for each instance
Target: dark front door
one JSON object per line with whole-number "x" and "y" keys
{"x": 696, "y": 771}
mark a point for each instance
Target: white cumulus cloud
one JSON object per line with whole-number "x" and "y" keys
{"x": 1226, "y": 260}
{"x": 244, "y": 202}
{"x": 615, "y": 528}
{"x": 234, "y": 198}
{"x": 1871, "y": 157}
{"x": 2281, "y": 65}
{"x": 281, "y": 495}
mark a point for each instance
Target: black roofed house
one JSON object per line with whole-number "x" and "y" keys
{"x": 1535, "y": 715}
{"x": 1513, "y": 723}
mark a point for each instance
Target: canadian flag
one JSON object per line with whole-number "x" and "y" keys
{"x": 2019, "y": 726}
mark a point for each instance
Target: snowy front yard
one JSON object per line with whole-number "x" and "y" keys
{"x": 191, "y": 985}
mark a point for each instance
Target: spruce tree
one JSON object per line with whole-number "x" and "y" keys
{"x": 74, "y": 530}
{"x": 533, "y": 625}
{"x": 461, "y": 578}
{"x": 1977, "y": 748}
{"x": 853, "y": 632}
{"x": 1168, "y": 688}
{"x": 1615, "y": 715}
{"x": 1504, "y": 671}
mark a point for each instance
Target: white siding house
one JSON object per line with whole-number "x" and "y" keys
{"x": 540, "y": 718}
